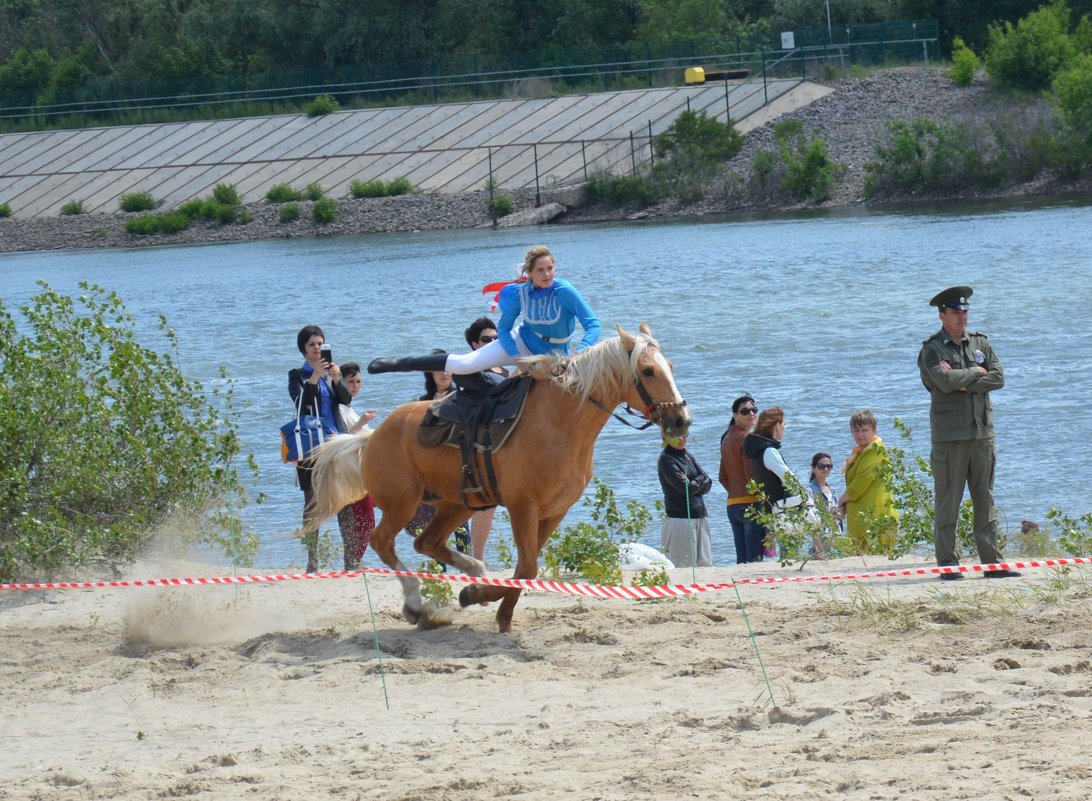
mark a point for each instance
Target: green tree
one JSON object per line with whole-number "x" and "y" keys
{"x": 964, "y": 63}
{"x": 1073, "y": 94}
{"x": 104, "y": 439}
{"x": 1030, "y": 54}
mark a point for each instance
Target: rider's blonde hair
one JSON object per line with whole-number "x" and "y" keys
{"x": 532, "y": 255}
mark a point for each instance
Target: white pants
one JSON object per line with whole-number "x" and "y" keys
{"x": 485, "y": 357}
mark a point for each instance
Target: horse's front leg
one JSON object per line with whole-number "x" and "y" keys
{"x": 432, "y": 541}
{"x": 382, "y": 543}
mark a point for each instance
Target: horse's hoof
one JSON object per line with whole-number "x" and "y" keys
{"x": 411, "y": 615}
{"x": 464, "y": 598}
{"x": 434, "y": 617}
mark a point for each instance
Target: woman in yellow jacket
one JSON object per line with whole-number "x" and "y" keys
{"x": 867, "y": 496}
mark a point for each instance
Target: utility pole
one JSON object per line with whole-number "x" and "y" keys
{"x": 830, "y": 35}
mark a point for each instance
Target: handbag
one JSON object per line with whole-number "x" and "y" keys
{"x": 303, "y": 434}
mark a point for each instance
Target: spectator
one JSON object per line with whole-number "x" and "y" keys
{"x": 735, "y": 474}
{"x": 480, "y": 333}
{"x": 960, "y": 370}
{"x": 763, "y": 449}
{"x": 867, "y": 496}
{"x": 357, "y": 520}
{"x": 319, "y": 384}
{"x": 820, "y": 489}
{"x": 685, "y": 534}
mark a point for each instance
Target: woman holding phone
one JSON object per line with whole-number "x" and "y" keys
{"x": 315, "y": 388}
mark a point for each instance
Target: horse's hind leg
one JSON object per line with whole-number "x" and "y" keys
{"x": 432, "y": 541}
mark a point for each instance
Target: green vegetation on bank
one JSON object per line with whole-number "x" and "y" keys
{"x": 105, "y": 440}
{"x": 222, "y": 207}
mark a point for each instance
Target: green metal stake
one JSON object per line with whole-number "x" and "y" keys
{"x": 754, "y": 642}
{"x": 690, "y": 529}
{"x": 378, "y": 650}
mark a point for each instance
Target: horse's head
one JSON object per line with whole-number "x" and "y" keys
{"x": 653, "y": 390}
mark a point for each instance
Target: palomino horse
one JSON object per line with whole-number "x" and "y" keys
{"x": 541, "y": 471}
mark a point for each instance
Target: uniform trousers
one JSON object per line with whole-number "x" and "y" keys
{"x": 967, "y": 462}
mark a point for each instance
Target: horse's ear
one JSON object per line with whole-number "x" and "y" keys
{"x": 645, "y": 329}
{"x": 628, "y": 340}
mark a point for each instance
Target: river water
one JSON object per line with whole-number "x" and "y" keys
{"x": 819, "y": 313}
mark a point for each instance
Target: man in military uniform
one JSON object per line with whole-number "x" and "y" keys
{"x": 960, "y": 371}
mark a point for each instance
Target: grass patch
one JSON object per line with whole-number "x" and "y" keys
{"x": 137, "y": 201}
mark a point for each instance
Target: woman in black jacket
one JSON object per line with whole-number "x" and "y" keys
{"x": 322, "y": 390}
{"x": 685, "y": 533}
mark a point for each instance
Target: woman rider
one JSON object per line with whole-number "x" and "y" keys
{"x": 550, "y": 308}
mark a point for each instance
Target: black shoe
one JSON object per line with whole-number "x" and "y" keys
{"x": 951, "y": 577}
{"x": 1000, "y": 574}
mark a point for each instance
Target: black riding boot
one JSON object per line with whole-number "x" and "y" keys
{"x": 433, "y": 363}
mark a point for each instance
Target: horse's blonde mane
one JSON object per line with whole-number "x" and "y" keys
{"x": 604, "y": 370}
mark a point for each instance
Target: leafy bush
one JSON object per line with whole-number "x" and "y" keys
{"x": 5, "y": 210}
{"x": 324, "y": 210}
{"x": 290, "y": 212}
{"x": 622, "y": 191}
{"x": 73, "y": 207}
{"x": 1073, "y": 94}
{"x": 503, "y": 204}
{"x": 964, "y": 63}
{"x": 926, "y": 157}
{"x": 282, "y": 193}
{"x": 591, "y": 548}
{"x": 226, "y": 195}
{"x": 801, "y": 168}
{"x": 137, "y": 201}
{"x": 399, "y": 186}
{"x": 323, "y": 104}
{"x": 359, "y": 189}
{"x": 377, "y": 188}
{"x": 170, "y": 222}
{"x": 695, "y": 136}
{"x": 1029, "y": 55}
{"x": 314, "y": 192}
{"x": 210, "y": 210}
{"x": 810, "y": 173}
{"x": 116, "y": 441}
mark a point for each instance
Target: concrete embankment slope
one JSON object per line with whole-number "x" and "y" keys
{"x": 447, "y": 148}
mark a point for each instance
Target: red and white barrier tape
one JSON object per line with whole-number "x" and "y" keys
{"x": 585, "y": 590}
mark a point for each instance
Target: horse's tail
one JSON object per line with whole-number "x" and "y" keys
{"x": 337, "y": 476}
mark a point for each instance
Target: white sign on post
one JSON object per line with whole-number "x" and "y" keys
{"x": 788, "y": 41}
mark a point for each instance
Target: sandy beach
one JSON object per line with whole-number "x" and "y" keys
{"x": 889, "y": 688}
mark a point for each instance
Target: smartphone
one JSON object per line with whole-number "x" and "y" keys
{"x": 324, "y": 353}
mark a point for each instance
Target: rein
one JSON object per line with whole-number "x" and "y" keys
{"x": 651, "y": 407}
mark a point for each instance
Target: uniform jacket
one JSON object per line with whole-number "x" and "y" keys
{"x": 960, "y": 407}
{"x": 673, "y": 463}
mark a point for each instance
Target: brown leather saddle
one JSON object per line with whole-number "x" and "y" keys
{"x": 478, "y": 419}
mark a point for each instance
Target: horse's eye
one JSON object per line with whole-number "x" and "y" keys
{"x": 648, "y": 372}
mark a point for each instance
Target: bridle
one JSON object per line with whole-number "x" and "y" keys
{"x": 653, "y": 412}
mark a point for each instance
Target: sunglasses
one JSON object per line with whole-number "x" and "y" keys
{"x": 824, "y": 466}
{"x": 486, "y": 338}
{"x": 749, "y": 410}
